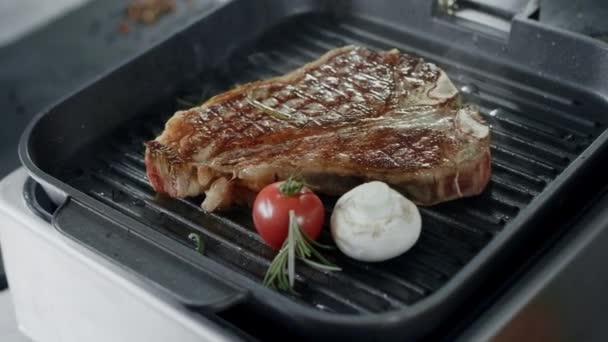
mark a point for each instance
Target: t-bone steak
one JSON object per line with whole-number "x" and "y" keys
{"x": 351, "y": 116}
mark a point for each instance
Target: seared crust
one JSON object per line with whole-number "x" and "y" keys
{"x": 350, "y": 116}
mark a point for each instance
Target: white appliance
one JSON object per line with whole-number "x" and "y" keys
{"x": 64, "y": 292}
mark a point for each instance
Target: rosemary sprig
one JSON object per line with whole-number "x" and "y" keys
{"x": 266, "y": 109}
{"x": 281, "y": 272}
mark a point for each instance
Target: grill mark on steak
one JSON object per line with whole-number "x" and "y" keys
{"x": 354, "y": 113}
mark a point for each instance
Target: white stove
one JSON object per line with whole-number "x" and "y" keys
{"x": 64, "y": 292}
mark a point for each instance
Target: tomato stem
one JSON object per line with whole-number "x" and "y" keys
{"x": 292, "y": 185}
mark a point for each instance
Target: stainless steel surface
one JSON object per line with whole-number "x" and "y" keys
{"x": 563, "y": 297}
{"x": 19, "y": 17}
{"x": 496, "y": 14}
{"x": 583, "y": 16}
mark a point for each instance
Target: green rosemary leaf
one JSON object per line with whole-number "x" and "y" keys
{"x": 320, "y": 257}
{"x": 266, "y": 109}
{"x": 302, "y": 251}
{"x": 321, "y": 266}
{"x": 274, "y": 268}
{"x": 305, "y": 247}
{"x": 199, "y": 243}
{"x": 317, "y": 244}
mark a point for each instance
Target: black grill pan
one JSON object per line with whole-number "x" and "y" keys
{"x": 540, "y": 89}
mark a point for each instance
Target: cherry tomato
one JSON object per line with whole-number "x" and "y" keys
{"x": 271, "y": 213}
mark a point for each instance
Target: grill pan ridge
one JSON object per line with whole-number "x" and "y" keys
{"x": 540, "y": 141}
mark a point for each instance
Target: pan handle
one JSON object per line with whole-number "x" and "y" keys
{"x": 171, "y": 267}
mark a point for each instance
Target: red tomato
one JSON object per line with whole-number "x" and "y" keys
{"x": 271, "y": 213}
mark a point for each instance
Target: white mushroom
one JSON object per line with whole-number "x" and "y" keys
{"x": 373, "y": 222}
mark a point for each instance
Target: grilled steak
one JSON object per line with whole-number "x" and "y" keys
{"x": 350, "y": 116}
